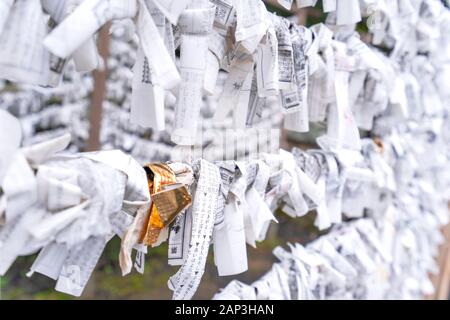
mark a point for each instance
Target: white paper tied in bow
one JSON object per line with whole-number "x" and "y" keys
{"x": 314, "y": 166}
{"x": 85, "y": 57}
{"x": 224, "y": 18}
{"x": 74, "y": 220}
{"x": 295, "y": 102}
{"x": 230, "y": 239}
{"x": 164, "y": 71}
{"x": 342, "y": 131}
{"x": 238, "y": 89}
{"x": 257, "y": 215}
{"x": 147, "y": 94}
{"x": 195, "y": 25}
{"x": 285, "y": 56}
{"x": 311, "y": 166}
{"x": 267, "y": 64}
{"x": 321, "y": 70}
{"x": 57, "y": 187}
{"x": 305, "y": 184}
{"x": 227, "y": 173}
{"x": 216, "y": 52}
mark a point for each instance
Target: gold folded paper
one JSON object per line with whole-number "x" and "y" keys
{"x": 171, "y": 201}
{"x": 168, "y": 199}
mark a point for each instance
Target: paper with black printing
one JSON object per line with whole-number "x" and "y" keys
{"x": 237, "y": 89}
{"x": 295, "y": 102}
{"x": 195, "y": 24}
{"x": 23, "y": 57}
{"x": 216, "y": 52}
{"x": 164, "y": 71}
{"x": 321, "y": 68}
{"x": 179, "y": 238}
{"x": 257, "y": 215}
{"x": 79, "y": 264}
{"x": 186, "y": 281}
{"x": 342, "y": 132}
{"x": 147, "y": 105}
{"x": 229, "y": 236}
{"x": 267, "y": 69}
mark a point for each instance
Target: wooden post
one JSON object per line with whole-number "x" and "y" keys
{"x": 442, "y": 287}
{"x": 98, "y": 94}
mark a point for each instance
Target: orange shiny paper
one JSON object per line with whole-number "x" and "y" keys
{"x": 162, "y": 175}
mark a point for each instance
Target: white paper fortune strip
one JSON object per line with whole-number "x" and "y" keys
{"x": 195, "y": 24}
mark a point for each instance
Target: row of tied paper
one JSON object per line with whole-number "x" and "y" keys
{"x": 391, "y": 253}
{"x": 69, "y": 206}
{"x": 364, "y": 260}
{"x": 316, "y": 72}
